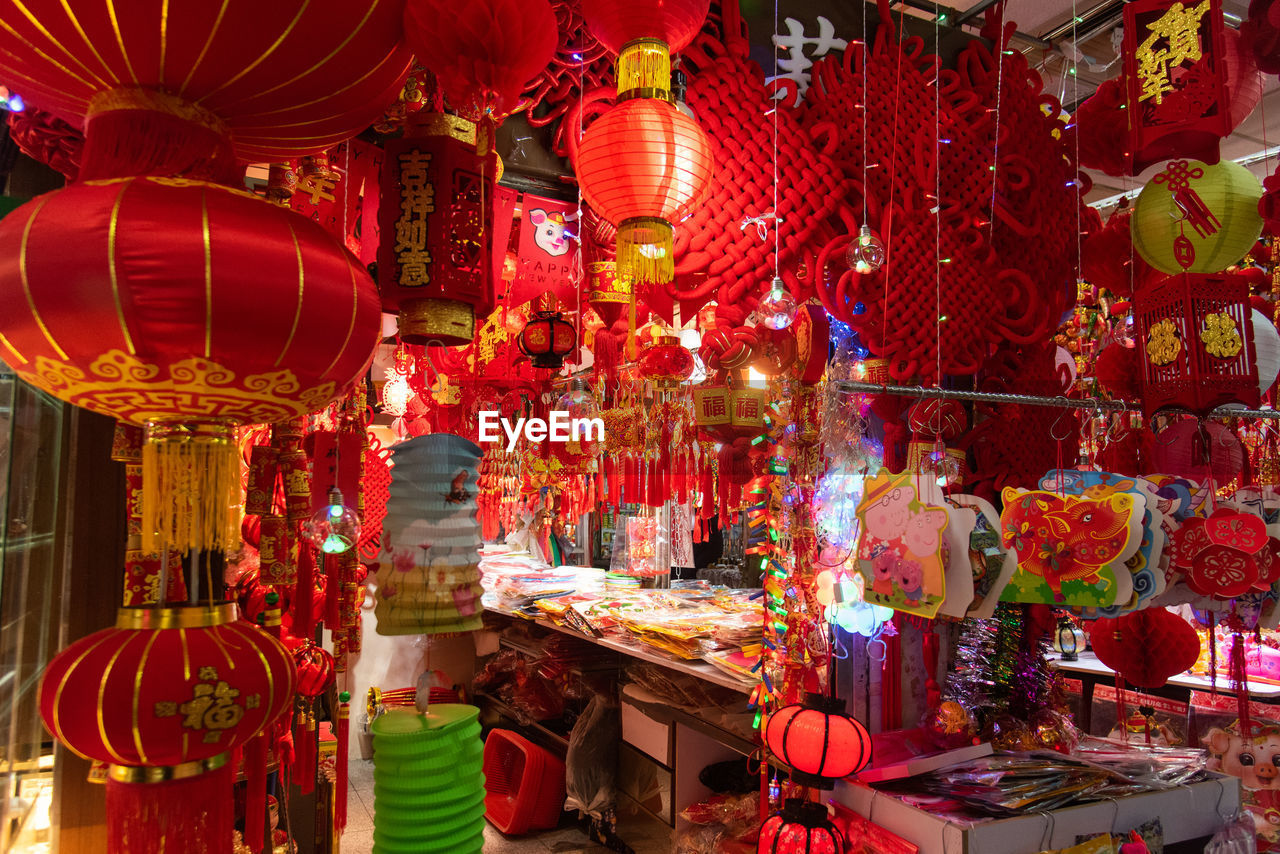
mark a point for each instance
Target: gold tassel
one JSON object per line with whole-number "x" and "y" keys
{"x": 644, "y": 64}
{"x": 190, "y": 487}
{"x": 646, "y": 251}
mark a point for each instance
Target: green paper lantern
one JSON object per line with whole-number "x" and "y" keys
{"x": 1195, "y": 218}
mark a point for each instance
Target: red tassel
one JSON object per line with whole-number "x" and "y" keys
{"x": 1240, "y": 684}
{"x": 194, "y": 815}
{"x": 1122, "y": 709}
{"x": 932, "y": 691}
{"x": 333, "y": 592}
{"x": 612, "y": 481}
{"x": 890, "y": 684}
{"x": 303, "y": 620}
{"x": 344, "y": 739}
{"x": 255, "y": 804}
{"x": 304, "y": 746}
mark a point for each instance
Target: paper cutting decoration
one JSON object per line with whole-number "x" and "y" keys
{"x": 992, "y": 565}
{"x": 428, "y": 578}
{"x": 1070, "y": 549}
{"x": 901, "y": 546}
{"x": 1225, "y": 555}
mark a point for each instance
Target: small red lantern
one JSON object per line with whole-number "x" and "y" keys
{"x": 802, "y": 827}
{"x": 1195, "y": 334}
{"x": 818, "y": 741}
{"x": 666, "y": 362}
{"x": 547, "y": 338}
{"x": 314, "y": 667}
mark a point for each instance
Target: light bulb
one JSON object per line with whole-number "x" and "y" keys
{"x": 334, "y": 528}
{"x": 866, "y": 252}
{"x": 778, "y": 308}
{"x": 578, "y": 401}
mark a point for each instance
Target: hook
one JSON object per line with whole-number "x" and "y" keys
{"x": 1053, "y": 428}
{"x": 1047, "y": 837}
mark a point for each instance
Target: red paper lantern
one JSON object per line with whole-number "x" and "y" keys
{"x": 436, "y": 221}
{"x": 616, "y": 22}
{"x": 802, "y": 827}
{"x": 818, "y": 741}
{"x": 314, "y": 666}
{"x": 642, "y": 166}
{"x": 163, "y": 697}
{"x": 189, "y": 307}
{"x": 283, "y": 78}
{"x": 666, "y": 362}
{"x": 1146, "y": 647}
{"x": 482, "y": 52}
{"x": 547, "y": 338}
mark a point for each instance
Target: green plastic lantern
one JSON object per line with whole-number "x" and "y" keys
{"x": 1196, "y": 218}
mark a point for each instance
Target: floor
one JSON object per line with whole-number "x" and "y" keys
{"x": 568, "y": 839}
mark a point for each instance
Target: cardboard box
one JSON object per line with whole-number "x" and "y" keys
{"x": 1187, "y": 812}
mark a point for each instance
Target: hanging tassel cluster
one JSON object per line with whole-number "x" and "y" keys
{"x": 646, "y": 251}
{"x": 190, "y": 488}
{"x": 141, "y": 814}
{"x": 255, "y": 802}
{"x": 344, "y": 746}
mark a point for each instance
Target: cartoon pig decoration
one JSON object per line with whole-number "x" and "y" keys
{"x": 550, "y": 234}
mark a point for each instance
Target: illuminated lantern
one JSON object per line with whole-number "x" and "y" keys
{"x": 801, "y": 827}
{"x": 482, "y": 52}
{"x": 1197, "y": 218}
{"x": 616, "y": 22}
{"x": 1175, "y": 74}
{"x": 547, "y": 338}
{"x": 436, "y": 220}
{"x": 1195, "y": 337}
{"x": 163, "y": 697}
{"x": 188, "y": 307}
{"x": 277, "y": 79}
{"x": 818, "y": 741}
{"x": 666, "y": 362}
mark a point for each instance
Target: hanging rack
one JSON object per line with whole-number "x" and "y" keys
{"x": 1061, "y": 401}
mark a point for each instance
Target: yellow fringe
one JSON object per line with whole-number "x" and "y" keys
{"x": 646, "y": 251}
{"x": 190, "y": 488}
{"x": 644, "y": 64}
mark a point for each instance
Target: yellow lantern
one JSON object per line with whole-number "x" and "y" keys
{"x": 1196, "y": 218}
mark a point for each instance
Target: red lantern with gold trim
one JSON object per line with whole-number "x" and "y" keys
{"x": 547, "y": 338}
{"x": 617, "y": 22}
{"x": 189, "y": 307}
{"x": 163, "y": 697}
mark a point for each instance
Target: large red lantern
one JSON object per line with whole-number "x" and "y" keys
{"x": 283, "y": 78}
{"x": 163, "y": 697}
{"x": 802, "y": 827}
{"x": 191, "y": 308}
{"x": 436, "y": 220}
{"x": 617, "y": 22}
{"x": 643, "y": 166}
{"x": 818, "y": 741}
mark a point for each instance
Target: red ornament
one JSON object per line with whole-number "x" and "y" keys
{"x": 643, "y": 166}
{"x": 547, "y": 338}
{"x": 616, "y": 22}
{"x": 666, "y": 362}
{"x": 818, "y": 740}
{"x": 283, "y": 79}
{"x": 802, "y": 827}
{"x": 1146, "y": 647}
{"x": 314, "y": 666}
{"x": 1225, "y": 555}
{"x": 482, "y": 52}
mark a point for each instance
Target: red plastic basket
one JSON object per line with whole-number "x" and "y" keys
{"x": 524, "y": 784}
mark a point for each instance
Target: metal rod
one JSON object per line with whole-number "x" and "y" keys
{"x": 1060, "y": 402}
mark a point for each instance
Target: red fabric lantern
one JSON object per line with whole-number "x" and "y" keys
{"x": 802, "y": 827}
{"x": 642, "y": 166}
{"x": 483, "y": 52}
{"x": 616, "y": 22}
{"x": 818, "y": 741}
{"x": 163, "y": 697}
{"x": 314, "y": 667}
{"x": 666, "y": 362}
{"x": 1146, "y": 647}
{"x": 192, "y": 308}
{"x": 547, "y": 338}
{"x": 286, "y": 78}
{"x": 437, "y": 230}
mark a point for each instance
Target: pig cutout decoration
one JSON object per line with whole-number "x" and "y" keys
{"x": 1071, "y": 549}
{"x": 549, "y": 232}
{"x": 902, "y": 546}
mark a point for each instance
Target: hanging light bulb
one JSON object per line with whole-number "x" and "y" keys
{"x": 334, "y": 528}
{"x": 866, "y": 252}
{"x": 778, "y": 308}
{"x": 578, "y": 401}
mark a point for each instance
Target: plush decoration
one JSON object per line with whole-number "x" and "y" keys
{"x": 1261, "y": 34}
{"x": 1119, "y": 370}
{"x": 1146, "y": 647}
{"x": 48, "y": 139}
{"x": 1103, "y": 131}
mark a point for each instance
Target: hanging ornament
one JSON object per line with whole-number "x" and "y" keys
{"x": 778, "y": 307}
{"x": 801, "y": 827}
{"x": 547, "y": 338}
{"x": 866, "y": 253}
{"x": 335, "y": 527}
{"x": 1146, "y": 647}
{"x": 818, "y": 741}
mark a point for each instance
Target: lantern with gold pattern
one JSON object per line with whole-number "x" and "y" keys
{"x": 547, "y": 338}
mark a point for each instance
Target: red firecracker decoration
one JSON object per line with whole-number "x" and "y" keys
{"x": 1146, "y": 647}
{"x": 818, "y": 741}
{"x": 801, "y": 827}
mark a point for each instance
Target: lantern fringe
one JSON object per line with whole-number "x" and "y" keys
{"x": 646, "y": 251}
{"x": 305, "y": 750}
{"x": 190, "y": 488}
{"x": 145, "y": 141}
{"x": 644, "y": 64}
{"x": 255, "y": 801}
{"x": 192, "y": 815}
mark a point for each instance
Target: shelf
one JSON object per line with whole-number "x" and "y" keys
{"x": 699, "y": 669}
{"x": 508, "y": 712}
{"x": 1088, "y": 664}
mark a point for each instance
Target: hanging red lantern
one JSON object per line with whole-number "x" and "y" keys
{"x": 547, "y": 338}
{"x": 818, "y": 741}
{"x": 435, "y": 264}
{"x": 482, "y": 52}
{"x": 801, "y": 827}
{"x": 191, "y": 308}
{"x": 643, "y": 166}
{"x": 163, "y": 697}
{"x": 279, "y": 82}
{"x": 314, "y": 667}
{"x": 666, "y": 362}
{"x": 1146, "y": 647}
{"x": 617, "y": 22}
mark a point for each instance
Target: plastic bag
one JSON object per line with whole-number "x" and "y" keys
{"x": 1236, "y": 837}
{"x": 591, "y": 763}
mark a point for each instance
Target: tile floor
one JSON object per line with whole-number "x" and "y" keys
{"x": 568, "y": 839}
